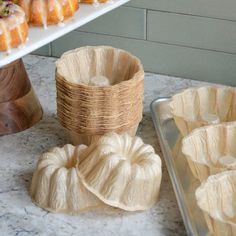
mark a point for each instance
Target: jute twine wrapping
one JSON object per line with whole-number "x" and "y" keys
{"x": 93, "y": 110}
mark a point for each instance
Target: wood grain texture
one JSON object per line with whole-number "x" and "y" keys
{"x": 14, "y": 82}
{"x": 19, "y": 106}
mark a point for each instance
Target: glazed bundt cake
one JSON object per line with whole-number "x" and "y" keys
{"x": 13, "y": 26}
{"x": 48, "y": 12}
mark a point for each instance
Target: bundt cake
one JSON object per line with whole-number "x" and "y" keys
{"x": 122, "y": 172}
{"x": 56, "y": 186}
{"x": 13, "y": 26}
{"x": 48, "y": 12}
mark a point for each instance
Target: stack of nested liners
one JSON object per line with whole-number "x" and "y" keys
{"x": 99, "y": 90}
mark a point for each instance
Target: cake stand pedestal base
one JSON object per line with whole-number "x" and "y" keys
{"x": 19, "y": 106}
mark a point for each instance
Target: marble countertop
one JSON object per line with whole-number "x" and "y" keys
{"x": 20, "y": 152}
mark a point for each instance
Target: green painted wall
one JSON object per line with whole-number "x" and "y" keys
{"x": 188, "y": 38}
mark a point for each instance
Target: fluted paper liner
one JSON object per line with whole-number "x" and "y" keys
{"x": 122, "y": 172}
{"x": 197, "y": 107}
{"x": 211, "y": 149}
{"x": 90, "y": 111}
{"x": 216, "y": 197}
{"x": 56, "y": 186}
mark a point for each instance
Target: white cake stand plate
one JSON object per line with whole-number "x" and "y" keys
{"x": 19, "y": 106}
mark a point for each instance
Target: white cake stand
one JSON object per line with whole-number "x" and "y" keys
{"x": 19, "y": 105}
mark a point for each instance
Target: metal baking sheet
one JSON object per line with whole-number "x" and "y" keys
{"x": 183, "y": 182}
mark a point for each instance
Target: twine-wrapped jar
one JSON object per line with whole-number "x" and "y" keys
{"x": 89, "y": 112}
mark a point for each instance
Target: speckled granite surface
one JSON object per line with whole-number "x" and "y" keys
{"x": 20, "y": 152}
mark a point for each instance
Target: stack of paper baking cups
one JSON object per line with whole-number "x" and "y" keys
{"x": 99, "y": 90}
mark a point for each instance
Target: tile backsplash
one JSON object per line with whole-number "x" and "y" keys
{"x": 186, "y": 38}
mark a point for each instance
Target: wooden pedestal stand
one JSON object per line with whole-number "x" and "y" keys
{"x": 19, "y": 106}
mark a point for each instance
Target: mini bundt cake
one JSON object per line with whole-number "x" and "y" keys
{"x": 55, "y": 185}
{"x": 13, "y": 26}
{"x": 48, "y": 12}
{"x": 122, "y": 172}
